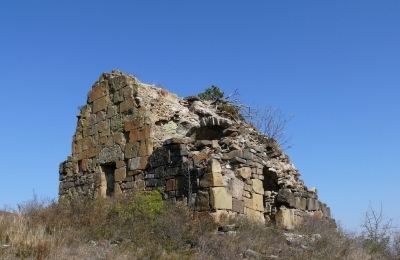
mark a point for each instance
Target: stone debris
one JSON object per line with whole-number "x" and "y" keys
{"x": 133, "y": 136}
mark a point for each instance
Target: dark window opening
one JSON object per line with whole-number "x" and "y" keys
{"x": 108, "y": 170}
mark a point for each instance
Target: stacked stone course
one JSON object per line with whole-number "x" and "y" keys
{"x": 132, "y": 136}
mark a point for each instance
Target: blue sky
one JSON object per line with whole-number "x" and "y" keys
{"x": 335, "y": 65}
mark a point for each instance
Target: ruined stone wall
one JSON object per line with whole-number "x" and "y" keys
{"x": 133, "y": 136}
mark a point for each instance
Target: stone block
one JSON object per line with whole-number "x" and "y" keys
{"x": 86, "y": 143}
{"x": 197, "y": 158}
{"x": 233, "y": 154}
{"x": 286, "y": 197}
{"x": 254, "y": 214}
{"x": 237, "y": 205}
{"x": 159, "y": 157}
{"x": 111, "y": 154}
{"x": 214, "y": 166}
{"x": 84, "y": 165}
{"x": 247, "y": 154}
{"x": 117, "y": 189}
{"x": 145, "y": 147}
{"x": 139, "y": 134}
{"x": 119, "y": 164}
{"x": 243, "y": 173}
{"x": 170, "y": 185}
{"x": 326, "y": 211}
{"x": 256, "y": 202}
{"x": 120, "y": 174}
{"x": 100, "y": 104}
{"x": 257, "y": 186}
{"x": 313, "y": 204}
{"x": 132, "y": 150}
{"x": 220, "y": 217}
{"x": 119, "y": 138}
{"x": 211, "y": 180}
{"x": 97, "y": 92}
{"x": 301, "y": 203}
{"x": 221, "y": 198}
{"x": 202, "y": 200}
{"x": 236, "y": 187}
{"x": 134, "y": 124}
{"x": 284, "y": 218}
{"x": 127, "y": 104}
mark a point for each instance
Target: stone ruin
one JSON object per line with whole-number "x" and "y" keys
{"x": 132, "y": 136}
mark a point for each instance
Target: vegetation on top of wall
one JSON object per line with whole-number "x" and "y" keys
{"x": 211, "y": 93}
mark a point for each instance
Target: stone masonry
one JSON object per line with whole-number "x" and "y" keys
{"x": 131, "y": 136}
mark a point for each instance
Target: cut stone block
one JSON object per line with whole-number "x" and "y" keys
{"x": 100, "y": 104}
{"x": 237, "y": 205}
{"x": 256, "y": 202}
{"x": 236, "y": 187}
{"x": 203, "y": 201}
{"x": 214, "y": 166}
{"x": 211, "y": 180}
{"x": 97, "y": 92}
{"x": 120, "y": 174}
{"x": 257, "y": 186}
{"x": 243, "y": 173}
{"x": 221, "y": 198}
{"x": 254, "y": 214}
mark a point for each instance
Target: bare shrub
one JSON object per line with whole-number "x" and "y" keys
{"x": 377, "y": 230}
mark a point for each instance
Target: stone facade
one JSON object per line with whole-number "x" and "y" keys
{"x": 133, "y": 136}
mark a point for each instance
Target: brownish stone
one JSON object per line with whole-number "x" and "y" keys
{"x": 318, "y": 214}
{"x": 132, "y": 150}
{"x": 202, "y": 200}
{"x": 199, "y": 157}
{"x": 145, "y": 147}
{"x": 100, "y": 104}
{"x": 237, "y": 205}
{"x": 86, "y": 143}
{"x": 134, "y": 124}
{"x": 127, "y": 104}
{"x": 97, "y": 92}
{"x": 170, "y": 185}
{"x": 92, "y": 152}
{"x": 119, "y": 164}
{"x": 119, "y": 138}
{"x": 120, "y": 174}
{"x": 164, "y": 92}
{"x": 117, "y": 189}
{"x": 132, "y": 173}
{"x": 139, "y": 134}
{"x": 84, "y": 165}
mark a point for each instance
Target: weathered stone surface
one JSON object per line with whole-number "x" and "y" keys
{"x": 170, "y": 185}
{"x": 257, "y": 186}
{"x": 120, "y": 174}
{"x": 253, "y": 214}
{"x": 235, "y": 187}
{"x": 133, "y": 136}
{"x": 237, "y": 205}
{"x": 111, "y": 154}
{"x": 214, "y": 166}
{"x": 203, "y": 201}
{"x": 160, "y": 156}
{"x": 243, "y": 173}
{"x": 220, "y": 198}
{"x": 313, "y": 204}
{"x": 211, "y": 179}
{"x": 256, "y": 202}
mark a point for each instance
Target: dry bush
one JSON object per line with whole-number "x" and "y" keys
{"x": 142, "y": 226}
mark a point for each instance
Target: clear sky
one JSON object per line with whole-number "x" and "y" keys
{"x": 335, "y": 65}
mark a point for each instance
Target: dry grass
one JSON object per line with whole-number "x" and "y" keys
{"x": 141, "y": 226}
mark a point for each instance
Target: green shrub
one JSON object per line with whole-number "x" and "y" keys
{"x": 211, "y": 93}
